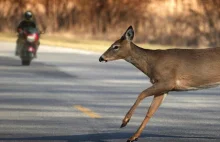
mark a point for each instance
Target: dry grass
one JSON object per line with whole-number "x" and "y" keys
{"x": 70, "y": 42}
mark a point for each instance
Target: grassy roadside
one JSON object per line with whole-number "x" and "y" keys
{"x": 70, "y": 42}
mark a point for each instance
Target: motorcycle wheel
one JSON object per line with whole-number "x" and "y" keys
{"x": 25, "y": 62}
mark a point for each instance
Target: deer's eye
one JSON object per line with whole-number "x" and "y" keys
{"x": 115, "y": 47}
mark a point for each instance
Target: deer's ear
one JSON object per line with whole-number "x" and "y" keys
{"x": 129, "y": 34}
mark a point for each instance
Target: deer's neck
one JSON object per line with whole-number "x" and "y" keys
{"x": 140, "y": 58}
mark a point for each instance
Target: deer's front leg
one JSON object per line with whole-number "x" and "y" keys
{"x": 141, "y": 96}
{"x": 158, "y": 88}
{"x": 158, "y": 99}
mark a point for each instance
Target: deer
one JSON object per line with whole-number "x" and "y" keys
{"x": 174, "y": 69}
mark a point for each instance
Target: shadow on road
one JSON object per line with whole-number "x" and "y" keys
{"x": 11, "y": 67}
{"x": 7, "y": 61}
{"x": 102, "y": 137}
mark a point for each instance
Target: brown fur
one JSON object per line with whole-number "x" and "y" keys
{"x": 168, "y": 70}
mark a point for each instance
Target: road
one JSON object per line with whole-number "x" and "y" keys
{"x": 67, "y": 95}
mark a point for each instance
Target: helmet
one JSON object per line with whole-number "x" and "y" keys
{"x": 28, "y": 15}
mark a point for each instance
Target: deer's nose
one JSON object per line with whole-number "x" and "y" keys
{"x": 101, "y": 59}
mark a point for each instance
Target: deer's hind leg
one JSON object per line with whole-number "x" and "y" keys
{"x": 157, "y": 101}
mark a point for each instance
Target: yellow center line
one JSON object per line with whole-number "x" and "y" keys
{"x": 87, "y": 111}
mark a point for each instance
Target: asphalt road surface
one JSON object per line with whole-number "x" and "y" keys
{"x": 67, "y": 95}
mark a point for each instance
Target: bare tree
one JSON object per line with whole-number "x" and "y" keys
{"x": 186, "y": 26}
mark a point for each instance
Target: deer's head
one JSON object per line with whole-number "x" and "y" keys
{"x": 120, "y": 49}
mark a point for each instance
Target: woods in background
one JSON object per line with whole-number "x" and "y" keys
{"x": 170, "y": 22}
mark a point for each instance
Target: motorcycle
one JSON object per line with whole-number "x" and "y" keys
{"x": 29, "y": 48}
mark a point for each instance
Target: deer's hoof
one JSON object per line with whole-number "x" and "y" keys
{"x": 124, "y": 123}
{"x": 135, "y": 139}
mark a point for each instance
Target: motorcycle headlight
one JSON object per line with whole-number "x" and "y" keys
{"x": 31, "y": 38}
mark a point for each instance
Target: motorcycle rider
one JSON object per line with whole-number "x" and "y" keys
{"x": 27, "y": 22}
